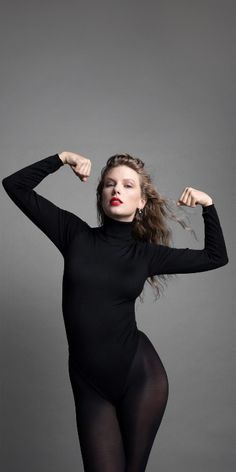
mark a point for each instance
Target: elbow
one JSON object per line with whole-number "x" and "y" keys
{"x": 8, "y": 185}
{"x": 222, "y": 262}
{"x": 218, "y": 260}
{"x": 4, "y": 183}
{"x": 225, "y": 260}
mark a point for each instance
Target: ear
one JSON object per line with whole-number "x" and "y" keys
{"x": 143, "y": 201}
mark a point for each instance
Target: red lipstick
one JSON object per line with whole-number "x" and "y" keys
{"x": 115, "y": 201}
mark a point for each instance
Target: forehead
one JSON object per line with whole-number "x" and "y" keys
{"x": 122, "y": 172}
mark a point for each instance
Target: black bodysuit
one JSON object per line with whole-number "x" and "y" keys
{"x": 111, "y": 362}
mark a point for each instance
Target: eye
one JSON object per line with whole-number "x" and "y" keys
{"x": 130, "y": 186}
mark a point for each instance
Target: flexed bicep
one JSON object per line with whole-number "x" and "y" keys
{"x": 167, "y": 260}
{"x": 58, "y": 224}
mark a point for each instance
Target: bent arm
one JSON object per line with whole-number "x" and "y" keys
{"x": 58, "y": 224}
{"x": 166, "y": 260}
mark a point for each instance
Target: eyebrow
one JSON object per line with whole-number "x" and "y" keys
{"x": 109, "y": 178}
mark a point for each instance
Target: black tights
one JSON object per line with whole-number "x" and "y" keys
{"x": 119, "y": 438}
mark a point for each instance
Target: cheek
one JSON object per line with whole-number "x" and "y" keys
{"x": 133, "y": 197}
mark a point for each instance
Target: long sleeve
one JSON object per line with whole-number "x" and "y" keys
{"x": 58, "y": 224}
{"x": 166, "y": 260}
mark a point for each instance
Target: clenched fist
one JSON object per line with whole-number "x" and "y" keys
{"x": 80, "y": 165}
{"x": 192, "y": 197}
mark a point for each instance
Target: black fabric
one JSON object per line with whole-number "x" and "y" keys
{"x": 119, "y": 437}
{"x": 119, "y": 383}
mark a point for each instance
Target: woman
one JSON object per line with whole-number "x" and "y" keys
{"x": 119, "y": 383}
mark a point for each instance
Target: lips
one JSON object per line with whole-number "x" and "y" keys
{"x": 115, "y": 200}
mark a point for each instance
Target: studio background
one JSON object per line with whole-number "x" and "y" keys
{"x": 155, "y": 79}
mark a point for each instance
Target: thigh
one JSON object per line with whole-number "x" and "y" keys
{"x": 99, "y": 433}
{"x": 142, "y": 405}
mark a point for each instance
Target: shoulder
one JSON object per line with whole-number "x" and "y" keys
{"x": 74, "y": 222}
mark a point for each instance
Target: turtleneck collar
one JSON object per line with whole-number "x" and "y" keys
{"x": 117, "y": 229}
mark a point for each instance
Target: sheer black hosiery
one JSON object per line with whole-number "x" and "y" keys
{"x": 99, "y": 432}
{"x": 143, "y": 405}
{"x": 119, "y": 438}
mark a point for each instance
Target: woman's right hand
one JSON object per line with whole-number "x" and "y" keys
{"x": 80, "y": 165}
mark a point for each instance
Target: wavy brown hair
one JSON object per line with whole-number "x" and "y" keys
{"x": 152, "y": 225}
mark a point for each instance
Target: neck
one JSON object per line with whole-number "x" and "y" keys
{"x": 116, "y": 228}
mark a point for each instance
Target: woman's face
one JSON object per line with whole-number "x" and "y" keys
{"x": 122, "y": 182}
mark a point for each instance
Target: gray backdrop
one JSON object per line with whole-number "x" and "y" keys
{"x": 156, "y": 79}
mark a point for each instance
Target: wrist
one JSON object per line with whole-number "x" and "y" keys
{"x": 62, "y": 156}
{"x": 209, "y": 202}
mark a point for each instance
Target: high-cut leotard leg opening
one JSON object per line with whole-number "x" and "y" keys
{"x": 119, "y": 438}
{"x": 142, "y": 406}
{"x": 98, "y": 429}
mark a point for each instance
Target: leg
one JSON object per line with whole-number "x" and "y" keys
{"x": 98, "y": 428}
{"x": 142, "y": 406}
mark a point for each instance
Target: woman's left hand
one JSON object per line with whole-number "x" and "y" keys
{"x": 193, "y": 197}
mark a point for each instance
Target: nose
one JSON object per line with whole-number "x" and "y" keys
{"x": 115, "y": 191}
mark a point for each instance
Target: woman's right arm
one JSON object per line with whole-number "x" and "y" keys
{"x": 58, "y": 224}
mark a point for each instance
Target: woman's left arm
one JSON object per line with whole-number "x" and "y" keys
{"x": 166, "y": 260}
